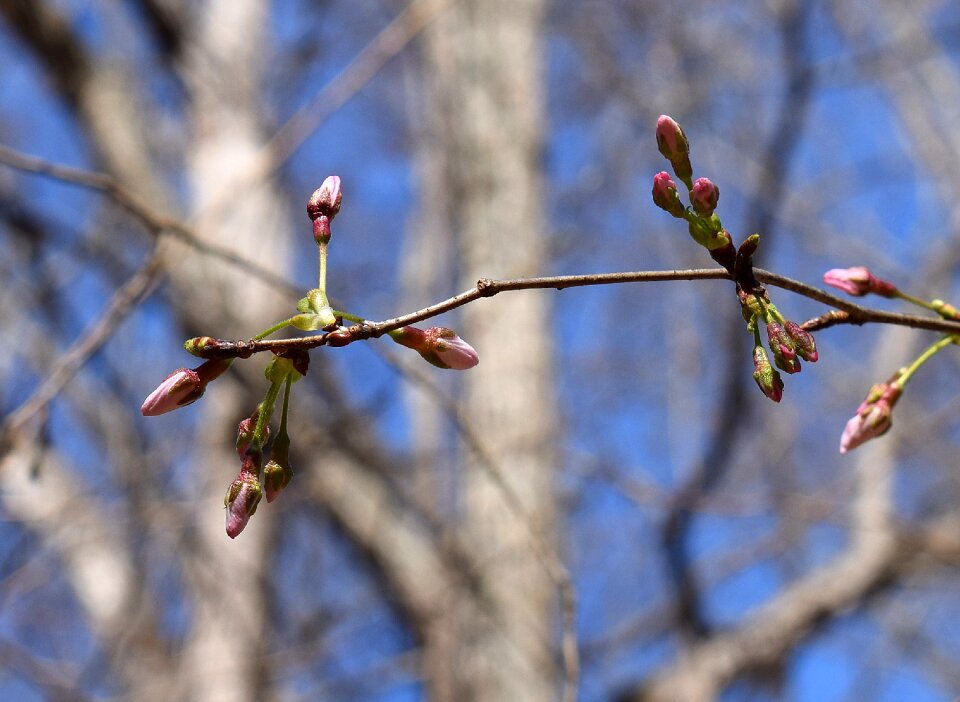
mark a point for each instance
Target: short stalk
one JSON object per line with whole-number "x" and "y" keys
{"x": 929, "y": 353}
{"x": 916, "y": 301}
{"x": 275, "y": 328}
{"x": 263, "y": 416}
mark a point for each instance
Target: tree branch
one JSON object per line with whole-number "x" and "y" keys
{"x": 854, "y": 314}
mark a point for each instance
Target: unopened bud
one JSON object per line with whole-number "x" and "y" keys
{"x": 803, "y": 342}
{"x": 241, "y": 500}
{"x": 323, "y": 206}
{"x": 859, "y": 281}
{"x": 665, "y": 194}
{"x": 766, "y": 377}
{"x": 182, "y": 387}
{"x": 439, "y": 346}
{"x": 704, "y": 197}
{"x": 673, "y": 144}
{"x": 874, "y": 417}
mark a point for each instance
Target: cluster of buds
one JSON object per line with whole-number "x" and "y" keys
{"x": 788, "y": 341}
{"x": 440, "y": 346}
{"x": 874, "y": 417}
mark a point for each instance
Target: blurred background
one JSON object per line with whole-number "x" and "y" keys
{"x": 611, "y": 448}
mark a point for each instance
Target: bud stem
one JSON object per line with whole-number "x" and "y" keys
{"x": 322, "y": 280}
{"x": 263, "y": 415}
{"x": 916, "y": 301}
{"x": 929, "y": 353}
{"x": 275, "y": 328}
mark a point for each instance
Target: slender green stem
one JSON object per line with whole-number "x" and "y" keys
{"x": 322, "y": 282}
{"x": 275, "y": 328}
{"x": 263, "y": 417}
{"x": 356, "y": 319}
{"x": 929, "y": 353}
{"x": 915, "y": 300}
{"x": 282, "y": 431}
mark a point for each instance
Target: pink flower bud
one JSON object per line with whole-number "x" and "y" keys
{"x": 671, "y": 141}
{"x": 182, "y": 387}
{"x": 323, "y": 206}
{"x": 874, "y": 417}
{"x": 241, "y": 500}
{"x": 767, "y": 379}
{"x": 673, "y": 144}
{"x": 447, "y": 350}
{"x": 803, "y": 342}
{"x": 858, "y": 281}
{"x": 665, "y": 194}
{"x": 439, "y": 346}
{"x": 782, "y": 346}
{"x": 704, "y": 197}
{"x": 326, "y": 199}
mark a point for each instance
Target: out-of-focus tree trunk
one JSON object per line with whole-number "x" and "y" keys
{"x": 223, "y": 68}
{"x": 484, "y": 130}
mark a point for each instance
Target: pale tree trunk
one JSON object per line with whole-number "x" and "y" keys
{"x": 223, "y": 69}
{"x": 484, "y": 126}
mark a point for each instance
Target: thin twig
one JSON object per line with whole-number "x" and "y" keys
{"x": 155, "y": 223}
{"x": 124, "y": 300}
{"x": 854, "y": 314}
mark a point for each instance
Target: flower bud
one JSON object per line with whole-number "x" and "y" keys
{"x": 241, "y": 500}
{"x": 275, "y": 478}
{"x": 673, "y": 144}
{"x": 439, "y": 346}
{"x": 874, "y": 417}
{"x": 859, "y": 281}
{"x": 323, "y": 206}
{"x": 766, "y": 377}
{"x": 245, "y": 430}
{"x": 665, "y": 194}
{"x": 704, "y": 197}
{"x": 803, "y": 342}
{"x": 182, "y": 387}
{"x": 782, "y": 346}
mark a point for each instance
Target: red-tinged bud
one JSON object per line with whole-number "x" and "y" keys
{"x": 671, "y": 141}
{"x": 782, "y": 346}
{"x": 439, "y": 346}
{"x": 245, "y": 430}
{"x": 874, "y": 417}
{"x": 859, "y": 281}
{"x": 326, "y": 200}
{"x": 673, "y": 144}
{"x": 665, "y": 194}
{"x": 241, "y": 500}
{"x": 803, "y": 342}
{"x": 766, "y": 377}
{"x": 278, "y": 473}
{"x": 704, "y": 197}
{"x": 323, "y": 206}
{"x": 275, "y": 478}
{"x": 182, "y": 387}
